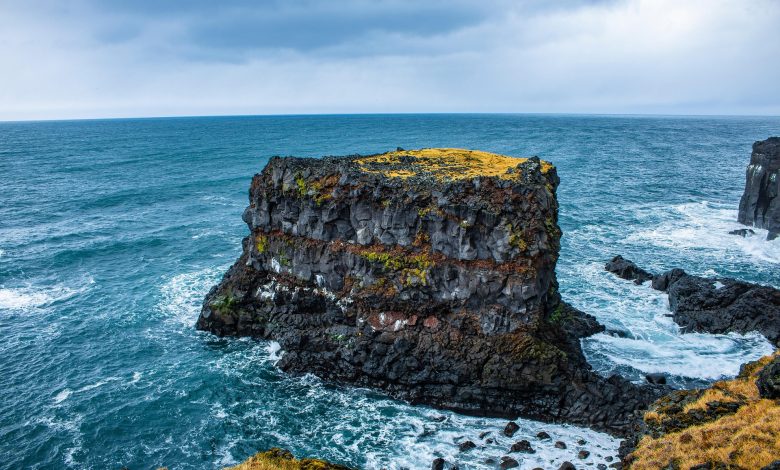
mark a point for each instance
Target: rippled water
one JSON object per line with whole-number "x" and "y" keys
{"x": 112, "y": 231}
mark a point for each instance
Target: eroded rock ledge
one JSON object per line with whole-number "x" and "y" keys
{"x": 711, "y": 305}
{"x": 429, "y": 274}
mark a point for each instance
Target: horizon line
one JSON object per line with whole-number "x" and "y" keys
{"x": 455, "y": 113}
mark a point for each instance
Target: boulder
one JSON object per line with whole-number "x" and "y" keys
{"x": 768, "y": 380}
{"x": 760, "y": 206}
{"x": 627, "y": 269}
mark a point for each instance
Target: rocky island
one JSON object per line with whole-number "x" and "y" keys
{"x": 429, "y": 274}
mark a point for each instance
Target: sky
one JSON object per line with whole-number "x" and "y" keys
{"x": 63, "y": 59}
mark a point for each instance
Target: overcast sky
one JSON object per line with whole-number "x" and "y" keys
{"x": 120, "y": 58}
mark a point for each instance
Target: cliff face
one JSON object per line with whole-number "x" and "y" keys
{"x": 429, "y": 274}
{"x": 760, "y": 205}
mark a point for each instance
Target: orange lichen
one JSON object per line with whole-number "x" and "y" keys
{"x": 444, "y": 164}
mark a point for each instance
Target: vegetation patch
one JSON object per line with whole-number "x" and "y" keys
{"x": 280, "y": 459}
{"x": 445, "y": 164}
{"x": 261, "y": 243}
{"x": 726, "y": 426}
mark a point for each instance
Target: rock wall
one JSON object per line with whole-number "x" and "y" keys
{"x": 429, "y": 274}
{"x": 760, "y": 205}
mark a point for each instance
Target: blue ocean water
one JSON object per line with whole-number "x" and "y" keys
{"x": 112, "y": 231}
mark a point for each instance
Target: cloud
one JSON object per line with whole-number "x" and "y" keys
{"x": 136, "y": 58}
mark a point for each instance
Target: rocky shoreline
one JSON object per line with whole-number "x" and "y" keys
{"x": 711, "y": 304}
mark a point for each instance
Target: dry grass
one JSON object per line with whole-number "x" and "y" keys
{"x": 279, "y": 459}
{"x": 445, "y": 163}
{"x": 749, "y": 438}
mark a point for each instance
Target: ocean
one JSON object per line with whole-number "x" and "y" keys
{"x": 112, "y": 232}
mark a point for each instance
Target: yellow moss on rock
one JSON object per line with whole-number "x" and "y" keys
{"x": 280, "y": 459}
{"x": 749, "y": 438}
{"x": 444, "y": 164}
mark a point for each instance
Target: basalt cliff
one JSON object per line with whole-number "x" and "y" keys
{"x": 429, "y": 274}
{"x": 760, "y": 204}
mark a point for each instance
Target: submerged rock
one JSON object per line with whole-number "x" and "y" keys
{"x": 720, "y": 305}
{"x": 511, "y": 428}
{"x": 742, "y": 232}
{"x": 627, "y": 270}
{"x": 760, "y": 206}
{"x": 429, "y": 274}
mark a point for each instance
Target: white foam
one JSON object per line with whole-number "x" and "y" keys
{"x": 274, "y": 351}
{"x": 63, "y": 395}
{"x": 182, "y": 294}
{"x": 18, "y": 299}
{"x": 655, "y": 343}
{"x": 705, "y": 226}
{"x": 136, "y": 378}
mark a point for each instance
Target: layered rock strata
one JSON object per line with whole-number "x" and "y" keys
{"x": 711, "y": 305}
{"x": 429, "y": 274}
{"x": 760, "y": 204}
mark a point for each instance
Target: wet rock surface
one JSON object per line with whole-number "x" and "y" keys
{"x": 720, "y": 305}
{"x": 760, "y": 204}
{"x": 434, "y": 287}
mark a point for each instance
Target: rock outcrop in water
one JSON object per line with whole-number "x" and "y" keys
{"x": 760, "y": 204}
{"x": 712, "y": 305}
{"x": 429, "y": 274}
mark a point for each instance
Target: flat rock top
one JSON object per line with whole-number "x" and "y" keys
{"x": 444, "y": 164}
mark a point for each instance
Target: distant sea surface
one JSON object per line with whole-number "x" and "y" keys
{"x": 112, "y": 231}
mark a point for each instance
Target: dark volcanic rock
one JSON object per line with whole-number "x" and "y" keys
{"x": 428, "y": 274}
{"x": 724, "y": 305}
{"x": 511, "y": 428}
{"x": 720, "y": 305}
{"x": 466, "y": 446}
{"x": 760, "y": 205}
{"x": 768, "y": 381}
{"x": 438, "y": 464}
{"x": 627, "y": 270}
{"x": 543, "y": 435}
{"x": 560, "y": 444}
{"x": 656, "y": 378}
{"x": 523, "y": 446}
{"x": 567, "y": 466}
{"x": 508, "y": 462}
{"x": 742, "y": 232}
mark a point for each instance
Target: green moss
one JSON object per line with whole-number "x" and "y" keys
{"x": 301, "y": 184}
{"x": 261, "y": 243}
{"x": 413, "y": 269}
{"x": 557, "y": 316}
{"x": 224, "y": 304}
{"x": 516, "y": 238}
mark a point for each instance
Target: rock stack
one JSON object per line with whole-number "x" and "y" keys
{"x": 429, "y": 274}
{"x": 760, "y": 204}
